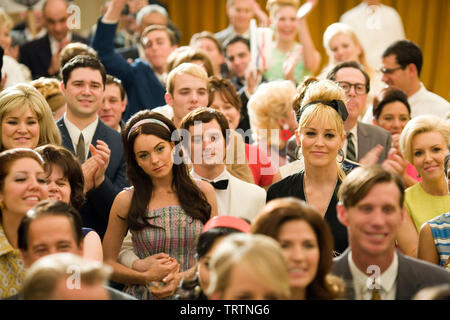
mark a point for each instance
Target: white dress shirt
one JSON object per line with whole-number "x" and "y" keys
{"x": 54, "y": 44}
{"x": 88, "y": 133}
{"x": 427, "y": 102}
{"x": 387, "y": 281}
{"x": 223, "y": 196}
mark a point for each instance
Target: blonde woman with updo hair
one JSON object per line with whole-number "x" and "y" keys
{"x": 342, "y": 44}
{"x": 248, "y": 267}
{"x": 50, "y": 88}
{"x": 291, "y": 60}
{"x": 26, "y": 120}
{"x": 321, "y": 136}
{"x": 272, "y": 120}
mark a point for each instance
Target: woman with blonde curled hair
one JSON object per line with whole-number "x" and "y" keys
{"x": 271, "y": 118}
{"x": 321, "y": 137}
{"x": 248, "y": 267}
{"x": 26, "y": 119}
{"x": 50, "y": 88}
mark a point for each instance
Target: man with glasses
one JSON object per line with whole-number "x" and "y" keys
{"x": 365, "y": 143}
{"x": 401, "y": 66}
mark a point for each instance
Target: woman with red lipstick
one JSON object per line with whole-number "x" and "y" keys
{"x": 321, "y": 137}
{"x": 307, "y": 245}
{"x": 165, "y": 209}
{"x": 22, "y": 186}
{"x": 26, "y": 120}
{"x": 424, "y": 143}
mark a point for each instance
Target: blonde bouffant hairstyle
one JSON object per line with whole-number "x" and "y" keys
{"x": 273, "y": 6}
{"x": 23, "y": 96}
{"x": 271, "y": 102}
{"x": 259, "y": 254}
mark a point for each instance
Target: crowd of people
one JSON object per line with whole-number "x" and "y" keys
{"x": 181, "y": 172}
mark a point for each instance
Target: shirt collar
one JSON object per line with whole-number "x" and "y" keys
{"x": 54, "y": 42}
{"x": 74, "y": 132}
{"x": 387, "y": 278}
{"x": 223, "y": 176}
{"x": 417, "y": 94}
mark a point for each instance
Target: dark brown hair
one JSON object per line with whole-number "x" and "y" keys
{"x": 227, "y": 91}
{"x": 388, "y": 95}
{"x": 191, "y": 198}
{"x": 117, "y": 82}
{"x": 71, "y": 169}
{"x": 279, "y": 211}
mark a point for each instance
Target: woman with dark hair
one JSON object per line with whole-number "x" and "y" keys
{"x": 65, "y": 182}
{"x": 214, "y": 231}
{"x": 165, "y": 209}
{"x": 391, "y": 111}
{"x": 22, "y": 186}
{"x": 307, "y": 245}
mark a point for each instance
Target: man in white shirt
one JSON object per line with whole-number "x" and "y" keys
{"x": 103, "y": 164}
{"x": 371, "y": 207}
{"x": 377, "y": 26}
{"x": 205, "y": 133}
{"x": 401, "y": 66}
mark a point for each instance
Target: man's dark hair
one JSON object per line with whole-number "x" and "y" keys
{"x": 349, "y": 64}
{"x": 234, "y": 40}
{"x": 115, "y": 81}
{"x": 50, "y": 208}
{"x": 405, "y": 52}
{"x": 82, "y": 61}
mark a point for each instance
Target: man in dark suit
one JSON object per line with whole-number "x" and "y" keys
{"x": 103, "y": 165}
{"x": 42, "y": 55}
{"x": 371, "y": 207}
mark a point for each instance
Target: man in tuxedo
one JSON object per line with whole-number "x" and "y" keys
{"x": 371, "y": 207}
{"x": 365, "y": 143}
{"x": 41, "y": 56}
{"x": 205, "y": 132}
{"x": 103, "y": 165}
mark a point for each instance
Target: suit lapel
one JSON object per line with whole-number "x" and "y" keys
{"x": 363, "y": 137}
{"x": 341, "y": 268}
{"x": 404, "y": 284}
{"x": 100, "y": 134}
{"x": 65, "y": 136}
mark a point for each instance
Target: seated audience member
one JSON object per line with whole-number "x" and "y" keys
{"x": 307, "y": 243}
{"x": 42, "y": 55}
{"x": 365, "y": 143}
{"x": 391, "y": 111}
{"x": 291, "y": 60}
{"x": 223, "y": 97}
{"x": 50, "y": 88}
{"x": 22, "y": 185}
{"x": 114, "y": 103}
{"x": 205, "y": 40}
{"x": 144, "y": 90}
{"x": 435, "y": 234}
{"x": 103, "y": 164}
{"x": 238, "y": 57}
{"x": 65, "y": 183}
{"x": 53, "y": 227}
{"x": 163, "y": 202}
{"x": 371, "y": 207}
{"x": 212, "y": 234}
{"x": 206, "y": 143}
{"x": 401, "y": 67}
{"x": 424, "y": 143}
{"x": 342, "y": 44}
{"x": 11, "y": 72}
{"x": 248, "y": 267}
{"x": 74, "y": 49}
{"x": 48, "y": 279}
{"x": 374, "y": 38}
{"x": 272, "y": 119}
{"x": 321, "y": 137}
{"x": 26, "y": 119}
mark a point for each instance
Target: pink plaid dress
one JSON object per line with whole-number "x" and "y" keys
{"x": 171, "y": 231}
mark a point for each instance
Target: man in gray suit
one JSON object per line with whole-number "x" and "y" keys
{"x": 366, "y": 144}
{"x": 371, "y": 207}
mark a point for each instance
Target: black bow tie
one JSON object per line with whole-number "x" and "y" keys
{"x": 220, "y": 185}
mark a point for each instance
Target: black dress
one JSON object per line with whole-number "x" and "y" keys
{"x": 292, "y": 186}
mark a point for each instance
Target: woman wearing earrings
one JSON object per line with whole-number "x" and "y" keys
{"x": 165, "y": 209}
{"x": 321, "y": 137}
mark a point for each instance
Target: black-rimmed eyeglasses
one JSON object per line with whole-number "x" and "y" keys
{"x": 360, "y": 88}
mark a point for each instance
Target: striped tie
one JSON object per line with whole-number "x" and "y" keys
{"x": 351, "y": 152}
